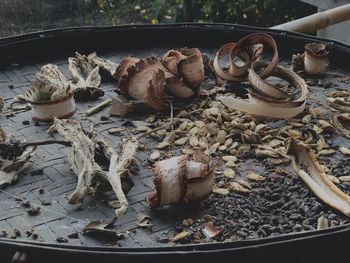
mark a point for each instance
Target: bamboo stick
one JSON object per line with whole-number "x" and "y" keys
{"x": 317, "y": 21}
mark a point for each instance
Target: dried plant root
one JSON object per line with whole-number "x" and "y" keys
{"x": 104, "y": 64}
{"x": 119, "y": 166}
{"x": 11, "y": 169}
{"x": 179, "y": 178}
{"x": 306, "y": 166}
{"x": 86, "y": 149}
{"x": 86, "y": 78}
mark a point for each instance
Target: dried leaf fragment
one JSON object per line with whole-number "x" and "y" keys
{"x": 305, "y": 165}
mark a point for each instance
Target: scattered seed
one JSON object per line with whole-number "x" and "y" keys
{"x": 345, "y": 150}
{"x": 155, "y": 155}
{"x": 221, "y": 191}
{"x": 255, "y": 177}
{"x": 229, "y": 173}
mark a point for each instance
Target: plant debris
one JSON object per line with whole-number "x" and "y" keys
{"x": 86, "y": 147}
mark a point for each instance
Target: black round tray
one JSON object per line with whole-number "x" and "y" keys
{"x": 18, "y": 55}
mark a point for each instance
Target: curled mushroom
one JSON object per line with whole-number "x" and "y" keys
{"x": 145, "y": 81}
{"x": 186, "y": 63}
{"x": 248, "y": 49}
{"x": 179, "y": 178}
{"x": 316, "y": 60}
{"x": 268, "y": 100}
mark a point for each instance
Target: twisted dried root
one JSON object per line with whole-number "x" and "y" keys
{"x": 91, "y": 176}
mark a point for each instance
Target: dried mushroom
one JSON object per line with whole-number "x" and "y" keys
{"x": 50, "y": 95}
{"x": 179, "y": 178}
{"x": 86, "y": 78}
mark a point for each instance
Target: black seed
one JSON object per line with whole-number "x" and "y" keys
{"x": 297, "y": 228}
{"x": 26, "y": 122}
{"x": 62, "y": 240}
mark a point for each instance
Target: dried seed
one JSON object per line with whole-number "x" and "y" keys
{"x": 244, "y": 183}
{"x": 228, "y": 172}
{"x": 199, "y": 124}
{"x": 345, "y": 178}
{"x": 222, "y": 148}
{"x": 322, "y": 223}
{"x": 228, "y": 142}
{"x": 183, "y": 126}
{"x": 238, "y": 187}
{"x": 221, "y": 137}
{"x": 162, "y": 145}
{"x": 181, "y": 141}
{"x": 334, "y": 179}
{"x": 194, "y": 141}
{"x": 255, "y": 177}
{"x": 306, "y": 119}
{"x": 143, "y": 129}
{"x": 212, "y": 129}
{"x": 214, "y": 111}
{"x": 202, "y": 131}
{"x": 193, "y": 131}
{"x": 155, "y": 155}
{"x": 180, "y": 236}
{"x": 229, "y": 158}
{"x": 221, "y": 191}
{"x": 326, "y": 152}
{"x": 115, "y": 130}
{"x": 344, "y": 150}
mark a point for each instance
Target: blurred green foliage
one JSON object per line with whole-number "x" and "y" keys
{"x": 249, "y": 12}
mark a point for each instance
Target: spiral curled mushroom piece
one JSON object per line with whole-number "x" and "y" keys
{"x": 264, "y": 99}
{"x": 179, "y": 178}
{"x": 249, "y": 49}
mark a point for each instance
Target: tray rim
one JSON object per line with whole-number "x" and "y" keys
{"x": 203, "y": 248}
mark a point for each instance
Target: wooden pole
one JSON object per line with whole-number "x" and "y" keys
{"x": 317, "y": 21}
